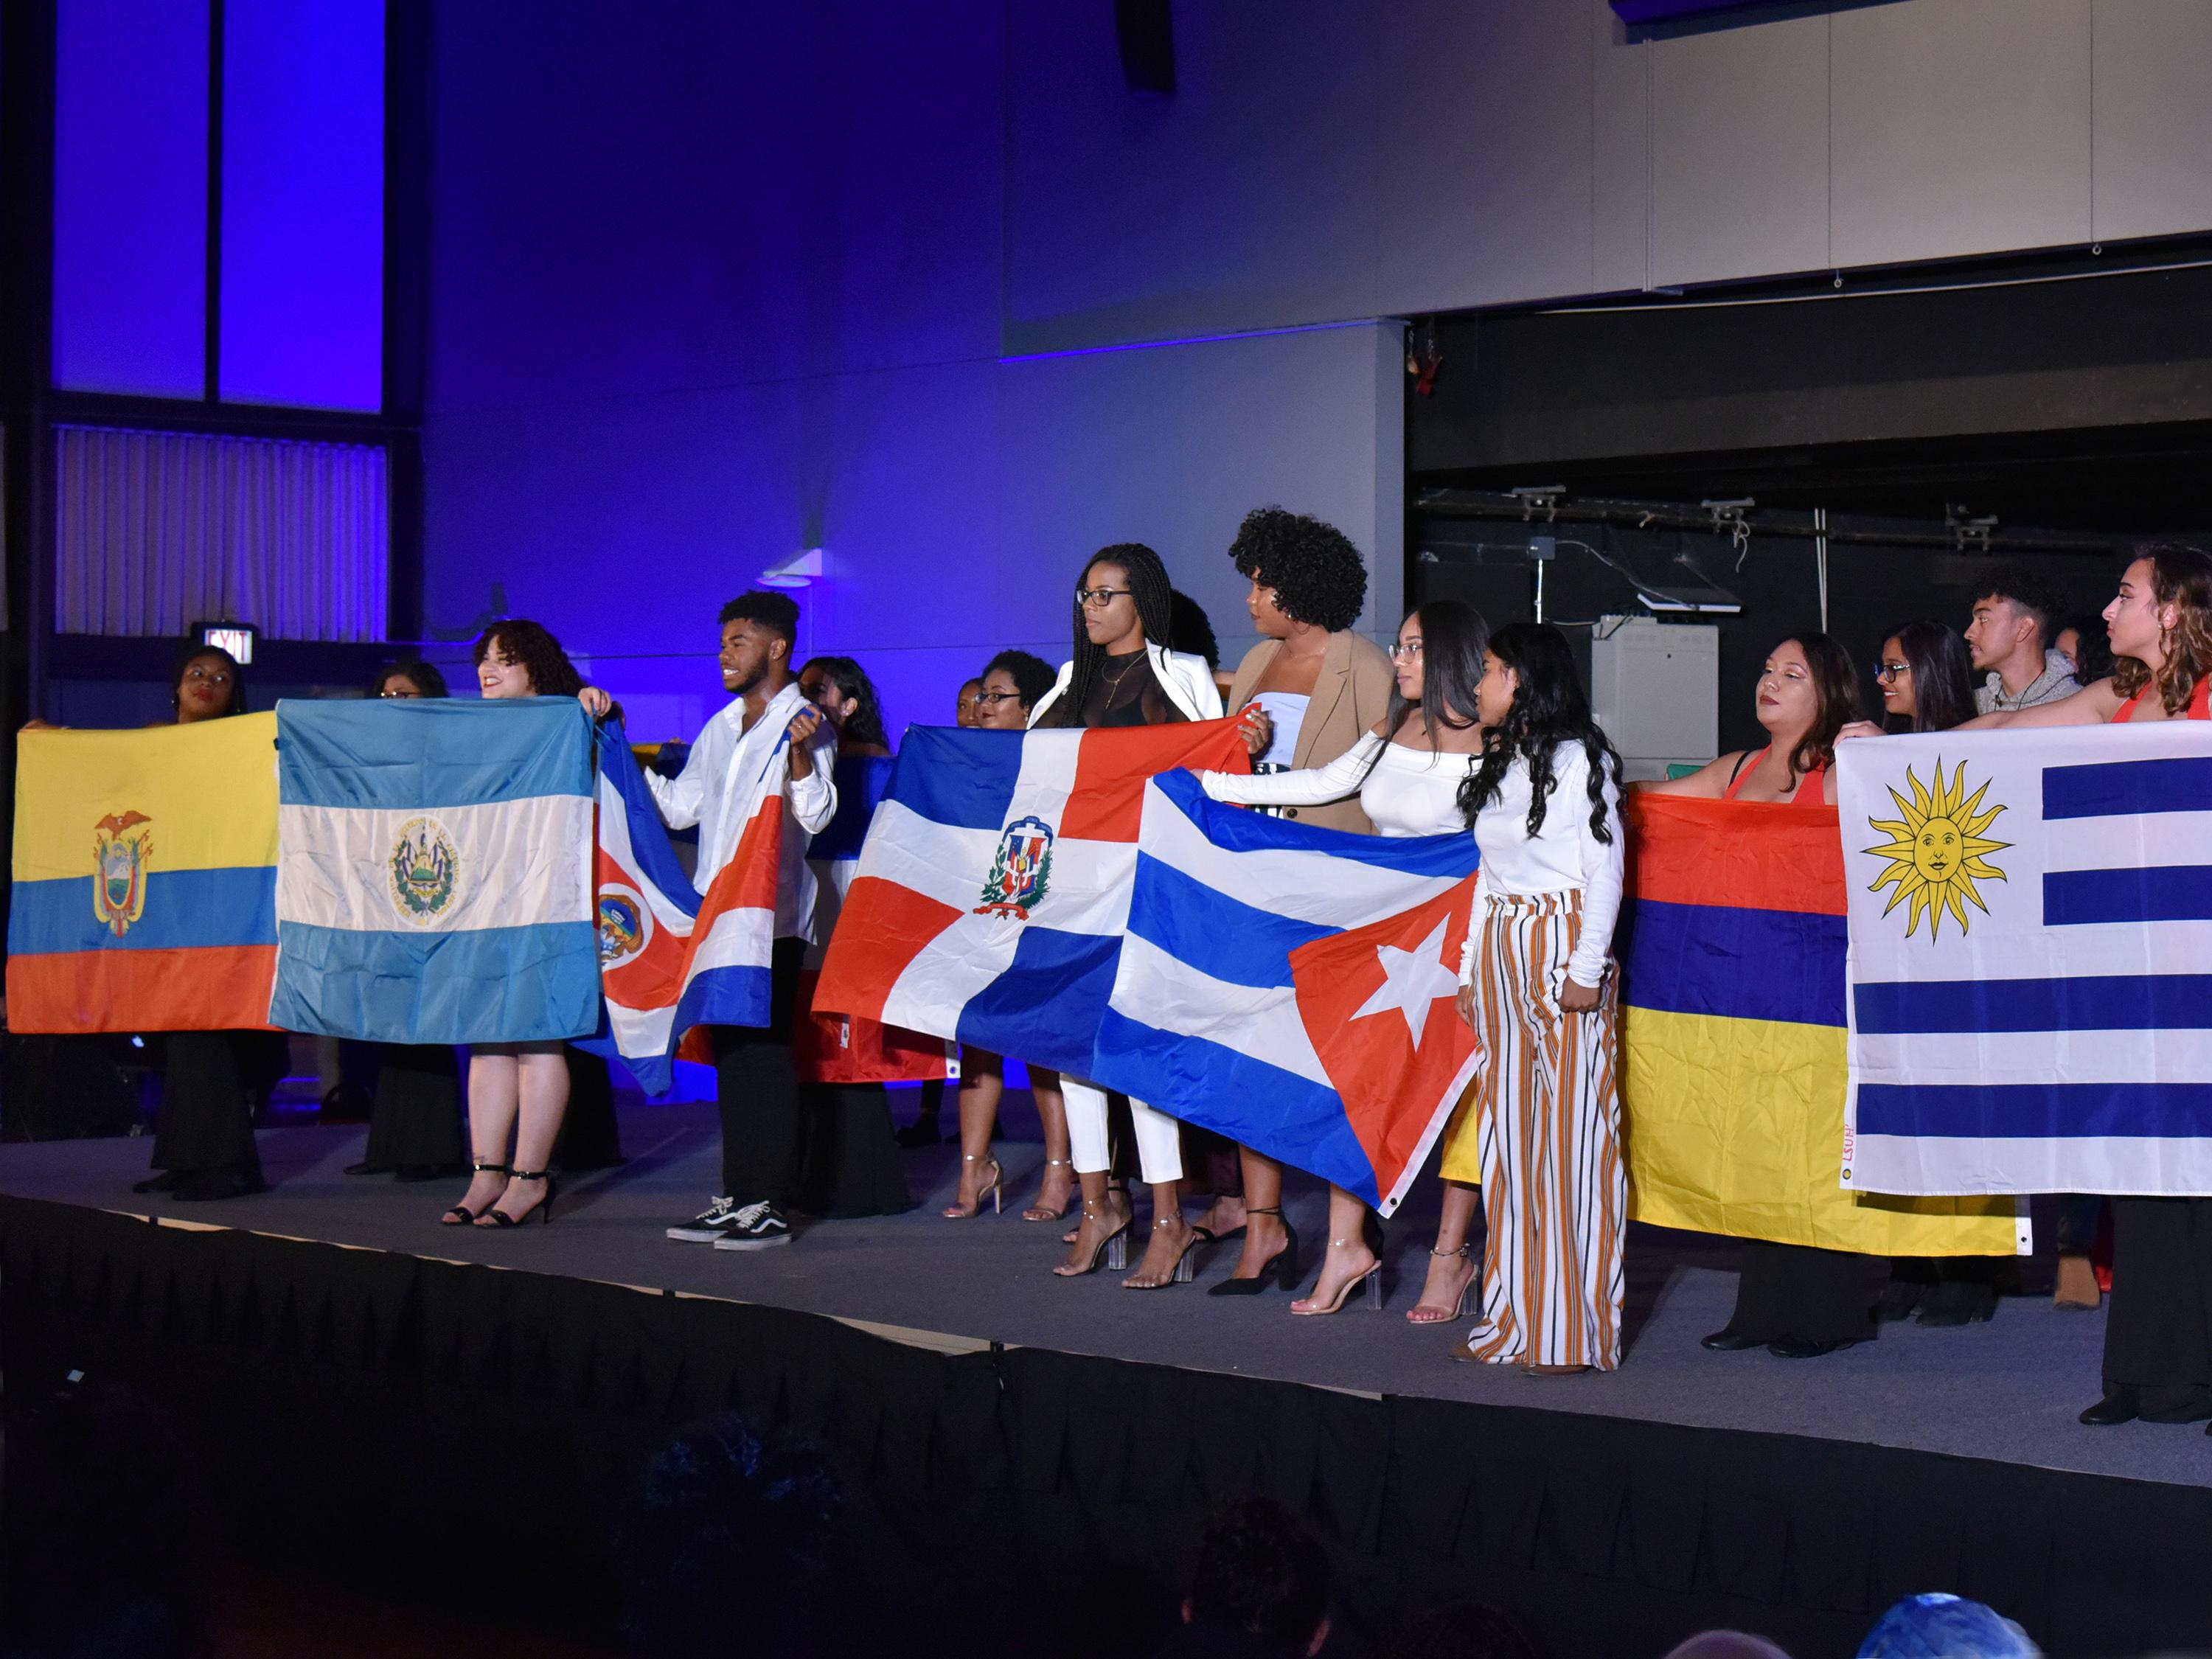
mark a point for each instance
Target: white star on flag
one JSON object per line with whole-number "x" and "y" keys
{"x": 1414, "y": 982}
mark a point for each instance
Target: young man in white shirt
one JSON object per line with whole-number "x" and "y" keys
{"x": 756, "y": 1085}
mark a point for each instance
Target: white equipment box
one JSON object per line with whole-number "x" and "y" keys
{"x": 1654, "y": 687}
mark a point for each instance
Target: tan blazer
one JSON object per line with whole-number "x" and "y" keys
{"x": 1351, "y": 695}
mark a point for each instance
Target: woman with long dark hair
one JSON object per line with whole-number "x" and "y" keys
{"x": 1794, "y": 1300}
{"x": 2158, "y": 1336}
{"x": 1536, "y": 987}
{"x": 213, "y": 1082}
{"x": 1926, "y": 676}
{"x": 1406, "y": 774}
{"x": 1121, "y": 674}
{"x": 848, "y": 699}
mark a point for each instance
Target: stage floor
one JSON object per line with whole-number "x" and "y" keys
{"x": 2007, "y": 1390}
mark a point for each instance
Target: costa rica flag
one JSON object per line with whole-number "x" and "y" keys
{"x": 993, "y": 891}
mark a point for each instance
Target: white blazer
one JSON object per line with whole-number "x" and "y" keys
{"x": 1184, "y": 676}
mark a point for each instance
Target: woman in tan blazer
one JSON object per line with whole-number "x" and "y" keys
{"x": 1312, "y": 688}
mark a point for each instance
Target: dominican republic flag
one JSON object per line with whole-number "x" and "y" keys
{"x": 847, "y": 1049}
{"x": 994, "y": 886}
{"x": 1294, "y": 987}
{"x": 2030, "y": 960}
{"x": 669, "y": 958}
{"x": 433, "y": 864}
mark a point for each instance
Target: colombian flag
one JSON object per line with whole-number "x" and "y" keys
{"x": 1733, "y": 1043}
{"x": 145, "y": 879}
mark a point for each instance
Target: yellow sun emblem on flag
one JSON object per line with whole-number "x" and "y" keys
{"x": 1937, "y": 850}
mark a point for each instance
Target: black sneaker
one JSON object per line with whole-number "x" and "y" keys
{"x": 755, "y": 1227}
{"x": 709, "y": 1224}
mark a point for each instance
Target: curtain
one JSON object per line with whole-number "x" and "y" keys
{"x": 160, "y": 530}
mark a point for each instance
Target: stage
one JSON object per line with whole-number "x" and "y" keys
{"x": 1043, "y": 1431}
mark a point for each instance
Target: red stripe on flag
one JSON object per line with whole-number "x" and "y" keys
{"x": 850, "y": 1048}
{"x": 882, "y": 928}
{"x": 1682, "y": 851}
{"x": 748, "y": 881}
{"x": 1113, "y": 763}
{"x": 210, "y": 988}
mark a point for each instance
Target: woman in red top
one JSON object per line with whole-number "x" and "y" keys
{"x": 1793, "y": 1300}
{"x": 2158, "y": 1337}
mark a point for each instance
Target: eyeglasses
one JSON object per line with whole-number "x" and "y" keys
{"x": 1097, "y": 599}
{"x": 994, "y": 698}
{"x": 1406, "y": 652}
{"x": 1887, "y": 671}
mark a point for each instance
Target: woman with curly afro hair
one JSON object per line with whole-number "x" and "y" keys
{"x": 1309, "y": 689}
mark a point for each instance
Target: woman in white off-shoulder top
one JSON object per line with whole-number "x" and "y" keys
{"x": 1406, "y": 774}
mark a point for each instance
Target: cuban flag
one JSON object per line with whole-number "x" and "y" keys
{"x": 2030, "y": 960}
{"x": 1294, "y": 987}
{"x": 993, "y": 891}
{"x": 433, "y": 863}
{"x": 669, "y": 957}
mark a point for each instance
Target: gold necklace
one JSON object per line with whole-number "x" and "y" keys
{"x": 1114, "y": 681}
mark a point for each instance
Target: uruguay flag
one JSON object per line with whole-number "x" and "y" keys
{"x": 2030, "y": 960}
{"x": 1293, "y": 987}
{"x": 669, "y": 958}
{"x": 434, "y": 870}
{"x": 994, "y": 886}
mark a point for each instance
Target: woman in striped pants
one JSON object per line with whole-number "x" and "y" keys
{"x": 1545, "y": 805}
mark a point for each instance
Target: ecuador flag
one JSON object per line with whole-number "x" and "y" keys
{"x": 1732, "y": 1041}
{"x": 145, "y": 879}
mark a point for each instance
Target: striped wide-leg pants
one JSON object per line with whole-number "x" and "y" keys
{"x": 1547, "y": 1125}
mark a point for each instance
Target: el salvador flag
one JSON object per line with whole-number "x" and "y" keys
{"x": 1294, "y": 987}
{"x": 434, "y": 870}
{"x": 2030, "y": 960}
{"x": 670, "y": 959}
{"x": 993, "y": 892}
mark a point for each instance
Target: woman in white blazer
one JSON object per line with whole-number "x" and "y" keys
{"x": 1121, "y": 676}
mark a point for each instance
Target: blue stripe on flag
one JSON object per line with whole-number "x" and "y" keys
{"x": 1218, "y": 1088}
{"x": 2113, "y": 1002}
{"x": 2172, "y": 892}
{"x": 186, "y": 909}
{"x": 2037, "y": 1110}
{"x": 648, "y": 837}
{"x": 1239, "y": 830}
{"x": 1206, "y": 929}
{"x": 964, "y": 780}
{"x": 737, "y": 995}
{"x": 538, "y": 983}
{"x": 1735, "y": 962}
{"x": 2116, "y": 789}
{"x": 431, "y": 751}
{"x": 1046, "y": 1006}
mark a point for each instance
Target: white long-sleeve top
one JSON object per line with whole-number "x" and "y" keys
{"x": 1564, "y": 856}
{"x": 1408, "y": 792}
{"x": 720, "y": 787}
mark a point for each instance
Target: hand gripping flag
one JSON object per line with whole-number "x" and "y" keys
{"x": 849, "y": 1048}
{"x": 2030, "y": 960}
{"x": 993, "y": 886}
{"x": 145, "y": 879}
{"x": 1294, "y": 987}
{"x": 669, "y": 958}
{"x": 434, "y": 870}
{"x": 1732, "y": 1045}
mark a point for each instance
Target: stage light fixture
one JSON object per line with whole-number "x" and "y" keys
{"x": 801, "y": 569}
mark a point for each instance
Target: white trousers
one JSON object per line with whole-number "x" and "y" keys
{"x": 1159, "y": 1137}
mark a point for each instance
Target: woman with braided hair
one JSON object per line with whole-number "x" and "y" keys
{"x": 1120, "y": 674}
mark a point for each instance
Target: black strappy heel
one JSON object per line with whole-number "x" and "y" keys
{"x": 461, "y": 1215}
{"x": 499, "y": 1218}
{"x": 1282, "y": 1267}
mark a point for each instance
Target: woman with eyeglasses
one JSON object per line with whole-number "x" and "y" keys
{"x": 214, "y": 1082}
{"x": 415, "y": 1121}
{"x": 1795, "y": 1301}
{"x": 1012, "y": 684}
{"x": 1406, "y": 773}
{"x": 1926, "y": 676}
{"x": 1121, "y": 674}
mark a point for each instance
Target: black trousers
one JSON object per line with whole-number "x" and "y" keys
{"x": 756, "y": 1088}
{"x": 1794, "y": 1290}
{"x": 213, "y": 1082}
{"x": 2157, "y": 1334}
